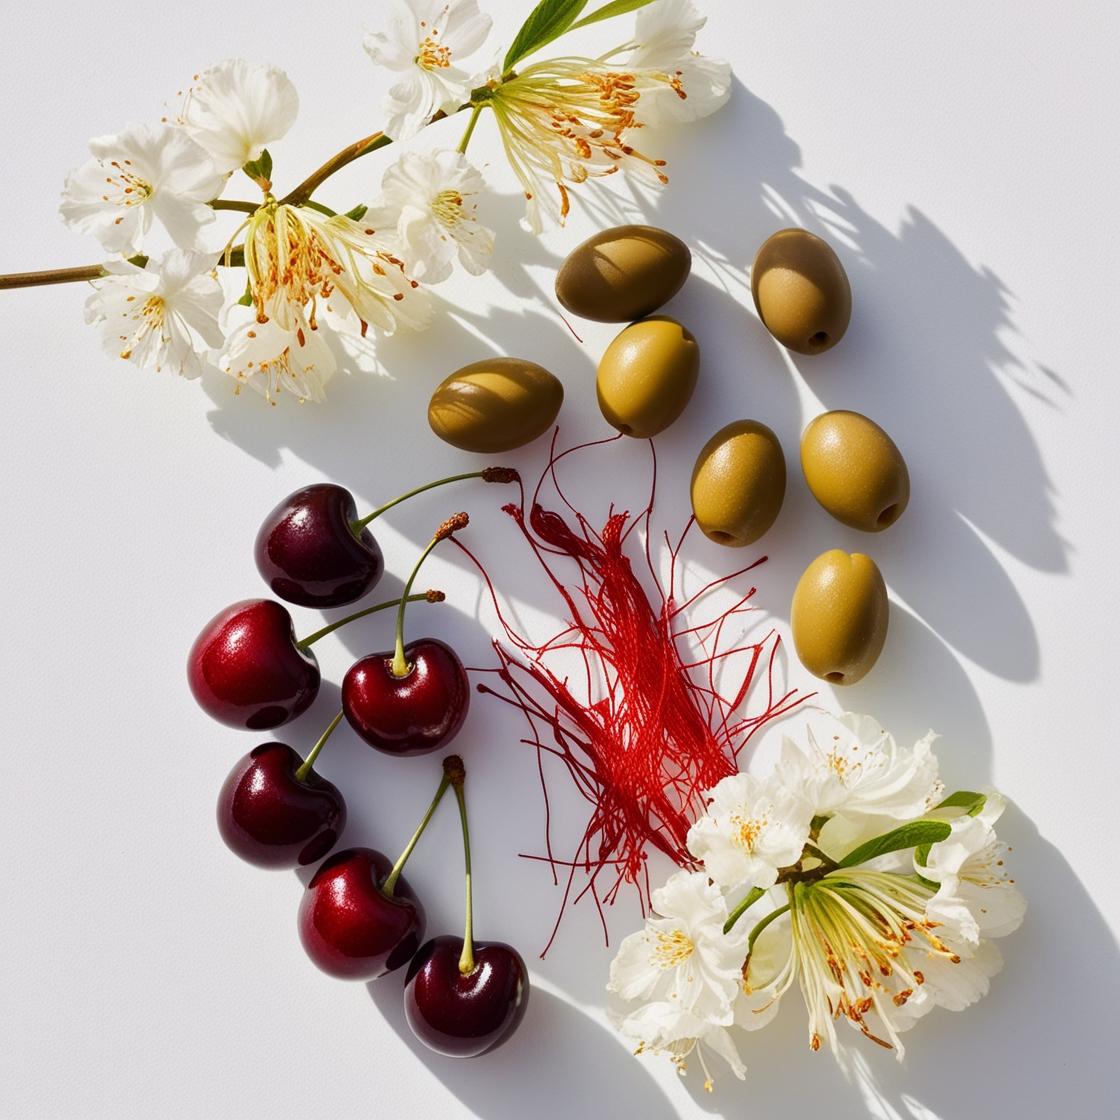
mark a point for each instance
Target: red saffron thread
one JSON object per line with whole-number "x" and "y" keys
{"x": 641, "y": 737}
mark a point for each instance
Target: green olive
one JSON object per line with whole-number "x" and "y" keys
{"x": 646, "y": 376}
{"x": 839, "y": 616}
{"x": 855, "y": 470}
{"x": 738, "y": 483}
{"x": 801, "y": 291}
{"x": 495, "y": 405}
{"x": 623, "y": 273}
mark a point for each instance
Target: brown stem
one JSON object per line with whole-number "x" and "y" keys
{"x": 91, "y": 271}
{"x": 355, "y": 151}
{"x": 235, "y": 204}
{"x": 52, "y": 276}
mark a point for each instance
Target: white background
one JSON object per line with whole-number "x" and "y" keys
{"x": 962, "y": 158}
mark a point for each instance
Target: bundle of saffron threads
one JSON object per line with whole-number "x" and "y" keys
{"x": 647, "y": 729}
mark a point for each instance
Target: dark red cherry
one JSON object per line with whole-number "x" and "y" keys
{"x": 413, "y": 714}
{"x": 246, "y": 668}
{"x": 460, "y": 1015}
{"x": 308, "y": 552}
{"x": 271, "y": 817}
{"x": 349, "y": 926}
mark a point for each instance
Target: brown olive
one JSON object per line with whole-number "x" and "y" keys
{"x": 839, "y": 616}
{"x": 855, "y": 470}
{"x": 738, "y": 483}
{"x": 801, "y": 291}
{"x": 495, "y": 405}
{"x": 623, "y": 273}
{"x": 646, "y": 376}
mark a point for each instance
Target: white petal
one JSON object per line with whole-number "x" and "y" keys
{"x": 184, "y": 167}
{"x": 237, "y": 108}
{"x": 666, "y": 30}
{"x": 697, "y": 88}
{"x": 723, "y": 1044}
{"x": 466, "y": 27}
{"x": 182, "y": 218}
{"x": 957, "y": 986}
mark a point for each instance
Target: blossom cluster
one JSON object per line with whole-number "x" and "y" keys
{"x": 844, "y": 870}
{"x": 310, "y": 267}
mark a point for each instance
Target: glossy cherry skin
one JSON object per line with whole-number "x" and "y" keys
{"x": 350, "y": 928}
{"x": 419, "y": 712}
{"x": 308, "y": 553}
{"x": 270, "y": 818}
{"x": 464, "y": 1016}
{"x": 246, "y": 670}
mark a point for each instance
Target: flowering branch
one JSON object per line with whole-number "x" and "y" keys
{"x": 312, "y": 268}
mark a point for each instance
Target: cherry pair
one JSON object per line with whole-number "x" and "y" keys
{"x": 359, "y": 920}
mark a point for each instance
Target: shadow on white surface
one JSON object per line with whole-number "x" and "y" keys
{"x": 560, "y": 1063}
{"x": 936, "y": 365}
{"x": 928, "y": 355}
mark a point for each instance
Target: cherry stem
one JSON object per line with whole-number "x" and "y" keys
{"x": 428, "y": 596}
{"x": 453, "y": 768}
{"x": 390, "y": 883}
{"x": 400, "y": 666}
{"x": 490, "y": 474}
{"x": 308, "y": 763}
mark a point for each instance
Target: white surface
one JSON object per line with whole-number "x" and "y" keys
{"x": 963, "y": 158}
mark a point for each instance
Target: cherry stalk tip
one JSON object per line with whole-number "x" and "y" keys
{"x": 500, "y": 474}
{"x": 434, "y": 596}
{"x": 452, "y": 525}
{"x": 455, "y": 770}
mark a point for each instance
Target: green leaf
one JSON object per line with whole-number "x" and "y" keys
{"x": 905, "y": 836}
{"x": 358, "y": 213}
{"x": 259, "y": 168}
{"x": 971, "y": 803}
{"x": 547, "y": 21}
{"x": 614, "y": 8}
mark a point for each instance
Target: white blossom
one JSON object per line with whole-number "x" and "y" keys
{"x": 974, "y": 891}
{"x": 682, "y": 972}
{"x": 431, "y": 201}
{"x": 235, "y": 108}
{"x": 425, "y": 41}
{"x": 694, "y": 86}
{"x": 752, "y": 828}
{"x": 852, "y": 771}
{"x": 142, "y": 173}
{"x": 301, "y": 263}
{"x": 654, "y": 1030}
{"x": 272, "y": 358}
{"x": 566, "y": 120}
{"x": 863, "y": 949}
{"x": 163, "y": 315}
